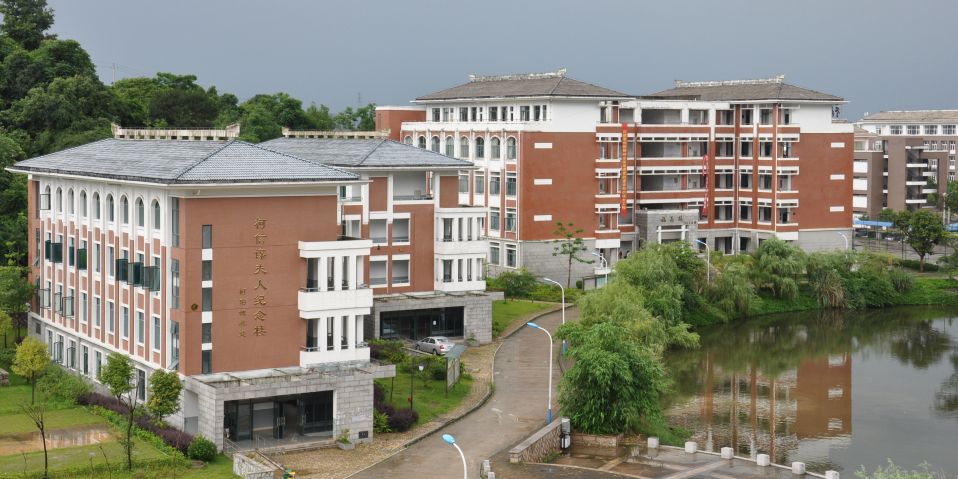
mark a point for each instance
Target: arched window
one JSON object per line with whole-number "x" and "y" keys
{"x": 422, "y": 142}
{"x": 480, "y": 147}
{"x": 450, "y": 147}
{"x": 464, "y": 147}
{"x": 511, "y": 149}
{"x": 140, "y": 214}
{"x": 494, "y": 154}
{"x": 156, "y": 215}
{"x": 111, "y": 215}
{"x": 71, "y": 202}
{"x": 83, "y": 204}
{"x": 125, "y": 213}
{"x": 435, "y": 144}
{"x": 59, "y": 200}
{"x": 408, "y": 140}
{"x": 96, "y": 206}
{"x": 46, "y": 193}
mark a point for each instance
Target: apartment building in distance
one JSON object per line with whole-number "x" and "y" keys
{"x": 901, "y": 157}
{"x": 727, "y": 163}
{"x": 255, "y": 273}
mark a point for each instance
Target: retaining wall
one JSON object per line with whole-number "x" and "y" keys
{"x": 540, "y": 445}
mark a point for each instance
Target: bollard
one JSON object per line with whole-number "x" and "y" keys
{"x": 653, "y": 443}
{"x": 728, "y": 453}
{"x": 762, "y": 460}
{"x": 491, "y": 475}
{"x": 798, "y": 468}
{"x": 691, "y": 447}
{"x": 831, "y": 474}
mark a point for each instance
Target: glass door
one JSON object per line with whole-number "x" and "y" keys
{"x": 279, "y": 420}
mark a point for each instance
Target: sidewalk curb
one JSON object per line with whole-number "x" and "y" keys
{"x": 490, "y": 389}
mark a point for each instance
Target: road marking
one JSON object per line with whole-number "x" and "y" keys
{"x": 696, "y": 471}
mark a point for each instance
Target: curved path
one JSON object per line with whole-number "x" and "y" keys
{"x": 517, "y": 408}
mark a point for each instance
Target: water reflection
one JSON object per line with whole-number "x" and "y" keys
{"x": 782, "y": 385}
{"x": 56, "y": 438}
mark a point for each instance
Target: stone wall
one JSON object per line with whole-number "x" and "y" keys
{"x": 540, "y": 445}
{"x": 477, "y": 310}
{"x": 610, "y": 441}
{"x": 250, "y": 468}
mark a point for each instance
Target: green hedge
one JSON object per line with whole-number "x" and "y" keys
{"x": 913, "y": 264}
{"x": 120, "y": 423}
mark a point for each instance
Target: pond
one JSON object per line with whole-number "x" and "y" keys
{"x": 836, "y": 390}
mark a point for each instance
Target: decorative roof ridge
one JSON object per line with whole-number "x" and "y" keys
{"x": 755, "y": 81}
{"x": 521, "y": 76}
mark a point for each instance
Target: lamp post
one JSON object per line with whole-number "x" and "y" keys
{"x": 412, "y": 378}
{"x": 563, "y": 307}
{"x": 451, "y": 440}
{"x": 844, "y": 238}
{"x": 708, "y": 260}
{"x": 603, "y": 261}
{"x": 534, "y": 325}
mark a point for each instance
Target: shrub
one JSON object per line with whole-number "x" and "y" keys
{"x": 912, "y": 264}
{"x": 379, "y": 394}
{"x": 172, "y": 436}
{"x": 385, "y": 409}
{"x": 497, "y": 329}
{"x": 403, "y": 419}
{"x": 390, "y": 351}
{"x": 202, "y": 449}
{"x": 578, "y": 284}
{"x": 63, "y": 384}
{"x": 381, "y": 422}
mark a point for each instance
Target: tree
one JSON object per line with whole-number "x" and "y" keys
{"x": 569, "y": 246}
{"x": 26, "y": 21}
{"x": 886, "y": 215}
{"x": 30, "y": 362}
{"x": 614, "y": 384}
{"x": 777, "y": 264}
{"x": 164, "y": 399}
{"x": 923, "y": 230}
{"x": 36, "y": 412}
{"x": 117, "y": 374}
{"x": 517, "y": 283}
{"x": 5, "y": 326}
{"x": 132, "y": 412}
{"x": 184, "y": 108}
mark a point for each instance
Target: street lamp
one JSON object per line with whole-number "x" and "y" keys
{"x": 451, "y": 440}
{"x": 708, "y": 259}
{"x": 412, "y": 378}
{"x": 845, "y": 238}
{"x": 602, "y": 261}
{"x": 534, "y": 325}
{"x": 563, "y": 307}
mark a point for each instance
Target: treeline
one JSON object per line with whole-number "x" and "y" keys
{"x": 52, "y": 99}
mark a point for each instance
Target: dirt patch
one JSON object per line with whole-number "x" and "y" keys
{"x": 56, "y": 439}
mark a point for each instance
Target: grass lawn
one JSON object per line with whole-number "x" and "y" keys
{"x": 76, "y": 456}
{"x": 13, "y": 423}
{"x": 220, "y": 468}
{"x": 504, "y": 312}
{"x": 435, "y": 394}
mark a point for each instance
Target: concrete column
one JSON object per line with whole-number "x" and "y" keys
{"x": 321, "y": 333}
{"x": 337, "y": 332}
{"x": 455, "y": 270}
{"x": 685, "y": 116}
{"x": 322, "y": 276}
{"x": 358, "y": 328}
{"x": 351, "y": 274}
{"x": 455, "y": 228}
{"x": 360, "y": 271}
{"x": 351, "y": 334}
{"x": 338, "y": 273}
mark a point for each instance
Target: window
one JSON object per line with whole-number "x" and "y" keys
{"x": 140, "y": 213}
{"x": 765, "y": 116}
{"x": 746, "y": 116}
{"x": 464, "y": 148}
{"x": 96, "y": 207}
{"x": 511, "y": 112}
{"x": 948, "y": 129}
{"x": 207, "y": 362}
{"x": 511, "y": 220}
{"x": 464, "y": 182}
{"x": 59, "y": 200}
{"x": 951, "y": 176}
{"x": 174, "y": 346}
{"x": 450, "y": 147}
{"x": 207, "y": 333}
{"x": 71, "y": 252}
{"x": 913, "y": 129}
{"x": 110, "y": 259}
{"x": 746, "y": 147}
{"x": 933, "y": 162}
{"x": 175, "y": 279}
{"x": 463, "y": 114}
{"x": 157, "y": 219}
{"x": 537, "y": 112}
{"x": 344, "y": 330}
{"x": 764, "y": 182}
{"x": 156, "y": 333}
{"x": 435, "y": 115}
{"x": 207, "y": 236}
{"x": 140, "y": 326}
{"x": 745, "y": 211}
{"x": 510, "y": 256}
{"x": 83, "y": 307}
{"x": 83, "y": 204}
{"x": 207, "y": 299}
{"x": 931, "y": 129}
{"x": 96, "y": 257}
{"x": 111, "y": 217}
{"x": 523, "y": 113}
{"x": 511, "y": 149}
{"x": 494, "y": 184}
{"x": 494, "y": 219}
{"x": 329, "y": 333}
{"x": 422, "y": 142}
{"x": 726, "y": 117}
{"x": 96, "y": 312}
{"x": 480, "y": 184}
{"x": 125, "y": 213}
{"x": 494, "y": 152}
{"x": 785, "y": 117}
{"x": 72, "y": 203}
{"x": 951, "y": 162}
{"x": 511, "y": 184}
{"x": 111, "y": 317}
{"x": 125, "y": 319}
{"x": 407, "y": 140}
{"x": 207, "y": 270}
{"x": 480, "y": 148}
{"x": 97, "y": 363}
{"x": 473, "y": 113}
{"x": 493, "y": 112}
{"x": 745, "y": 180}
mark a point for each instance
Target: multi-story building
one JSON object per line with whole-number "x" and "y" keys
{"x": 901, "y": 157}
{"x": 725, "y": 163}
{"x": 254, "y": 273}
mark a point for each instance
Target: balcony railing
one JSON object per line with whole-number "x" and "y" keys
{"x": 410, "y": 197}
{"x": 399, "y": 239}
{"x": 377, "y": 281}
{"x": 317, "y": 289}
{"x": 352, "y": 198}
{"x": 400, "y": 279}
{"x": 380, "y": 240}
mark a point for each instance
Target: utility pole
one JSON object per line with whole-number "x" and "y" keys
{"x": 114, "y": 75}
{"x": 359, "y": 100}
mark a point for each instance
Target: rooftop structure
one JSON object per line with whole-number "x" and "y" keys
{"x": 531, "y": 85}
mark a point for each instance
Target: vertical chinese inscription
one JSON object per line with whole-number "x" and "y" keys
{"x": 259, "y": 291}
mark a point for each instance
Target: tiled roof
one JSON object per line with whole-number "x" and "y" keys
{"x": 859, "y": 131}
{"x": 532, "y": 87}
{"x": 352, "y": 153}
{"x": 181, "y": 162}
{"x": 745, "y": 92}
{"x": 915, "y": 116}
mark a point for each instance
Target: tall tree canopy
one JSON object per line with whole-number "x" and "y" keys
{"x": 26, "y": 21}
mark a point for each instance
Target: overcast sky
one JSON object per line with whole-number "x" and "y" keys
{"x": 878, "y": 55}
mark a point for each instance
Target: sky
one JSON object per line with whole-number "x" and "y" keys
{"x": 877, "y": 55}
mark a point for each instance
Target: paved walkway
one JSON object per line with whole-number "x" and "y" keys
{"x": 517, "y": 408}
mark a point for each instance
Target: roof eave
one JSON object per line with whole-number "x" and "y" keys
{"x": 158, "y": 182}
{"x": 524, "y": 97}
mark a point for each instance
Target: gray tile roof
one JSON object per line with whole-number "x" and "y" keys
{"x": 859, "y": 131}
{"x": 367, "y": 154}
{"x": 915, "y": 116}
{"x": 181, "y": 162}
{"x": 745, "y": 92}
{"x": 533, "y": 87}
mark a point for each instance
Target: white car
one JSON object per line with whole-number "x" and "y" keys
{"x": 435, "y": 344}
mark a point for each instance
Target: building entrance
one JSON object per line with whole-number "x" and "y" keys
{"x": 416, "y": 324}
{"x": 280, "y": 417}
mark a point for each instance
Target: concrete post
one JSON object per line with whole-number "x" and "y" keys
{"x": 691, "y": 447}
{"x": 653, "y": 443}
{"x": 762, "y": 460}
{"x": 728, "y": 453}
{"x": 798, "y": 468}
{"x": 831, "y": 474}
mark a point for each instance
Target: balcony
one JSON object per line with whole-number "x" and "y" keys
{"x": 412, "y": 198}
{"x": 309, "y": 356}
{"x": 334, "y": 277}
{"x": 446, "y": 284}
{"x": 313, "y": 300}
{"x": 461, "y": 247}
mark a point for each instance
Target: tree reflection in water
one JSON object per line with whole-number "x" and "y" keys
{"x": 771, "y": 383}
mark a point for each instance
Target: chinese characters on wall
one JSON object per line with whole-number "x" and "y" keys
{"x": 256, "y": 300}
